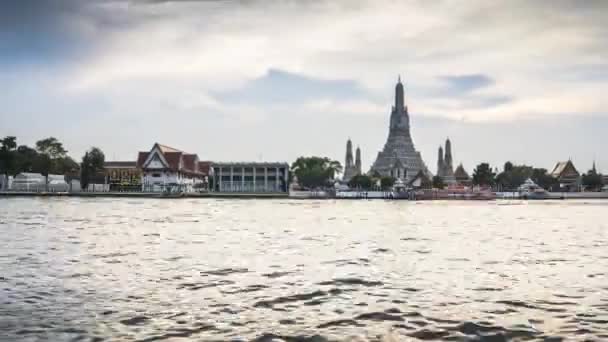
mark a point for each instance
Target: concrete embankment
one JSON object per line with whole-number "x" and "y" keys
{"x": 143, "y": 194}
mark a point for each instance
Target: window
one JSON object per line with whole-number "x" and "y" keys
{"x": 156, "y": 175}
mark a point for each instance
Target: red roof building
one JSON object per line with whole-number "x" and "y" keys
{"x": 165, "y": 167}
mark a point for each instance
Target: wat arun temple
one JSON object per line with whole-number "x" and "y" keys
{"x": 399, "y": 158}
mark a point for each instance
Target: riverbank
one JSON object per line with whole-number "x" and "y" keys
{"x": 144, "y": 195}
{"x": 304, "y": 195}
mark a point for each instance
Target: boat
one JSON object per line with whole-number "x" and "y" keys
{"x": 530, "y": 190}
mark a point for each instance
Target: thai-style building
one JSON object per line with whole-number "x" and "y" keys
{"x": 351, "y": 168}
{"x": 250, "y": 177}
{"x": 462, "y": 177}
{"x": 166, "y": 168}
{"x": 568, "y": 177}
{"x": 123, "y": 175}
{"x": 420, "y": 181}
{"x": 445, "y": 168}
{"x": 399, "y": 156}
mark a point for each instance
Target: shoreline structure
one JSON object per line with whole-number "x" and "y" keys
{"x": 355, "y": 195}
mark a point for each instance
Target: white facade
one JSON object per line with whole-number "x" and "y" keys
{"x": 36, "y": 182}
{"x": 251, "y": 177}
{"x": 166, "y": 169}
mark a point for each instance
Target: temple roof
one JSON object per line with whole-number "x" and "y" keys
{"x": 176, "y": 160}
{"x": 461, "y": 173}
{"x": 561, "y": 168}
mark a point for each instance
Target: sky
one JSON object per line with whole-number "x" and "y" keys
{"x": 518, "y": 80}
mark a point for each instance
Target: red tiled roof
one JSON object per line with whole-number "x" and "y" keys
{"x": 176, "y": 159}
{"x": 141, "y": 159}
{"x": 190, "y": 162}
{"x": 204, "y": 167}
{"x": 165, "y": 148}
{"x": 173, "y": 159}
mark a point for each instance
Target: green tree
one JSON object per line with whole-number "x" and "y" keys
{"x": 387, "y": 182}
{"x": 92, "y": 163}
{"x": 483, "y": 175}
{"x": 8, "y": 158}
{"x": 361, "y": 182}
{"x": 42, "y": 164}
{"x": 513, "y": 176}
{"x": 543, "y": 179}
{"x": 61, "y": 163}
{"x": 315, "y": 172}
{"x": 592, "y": 180}
{"x": 51, "y": 147}
{"x": 26, "y": 158}
{"x": 438, "y": 182}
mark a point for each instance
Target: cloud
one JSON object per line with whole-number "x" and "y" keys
{"x": 466, "y": 83}
{"x": 240, "y": 65}
{"x": 278, "y": 86}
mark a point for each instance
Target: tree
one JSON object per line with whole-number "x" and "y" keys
{"x": 92, "y": 163}
{"x": 60, "y": 162}
{"x": 51, "y": 147}
{"x": 8, "y": 157}
{"x": 483, "y": 175}
{"x": 65, "y": 165}
{"x": 513, "y": 176}
{"x": 592, "y": 180}
{"x": 25, "y": 158}
{"x": 315, "y": 172}
{"x": 361, "y": 182}
{"x": 438, "y": 182}
{"x": 387, "y": 182}
{"x": 543, "y": 179}
{"x": 42, "y": 164}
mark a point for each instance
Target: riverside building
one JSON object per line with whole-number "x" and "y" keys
{"x": 245, "y": 177}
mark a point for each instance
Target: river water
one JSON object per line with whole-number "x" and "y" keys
{"x": 75, "y": 269}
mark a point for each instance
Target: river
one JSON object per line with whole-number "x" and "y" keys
{"x": 94, "y": 269}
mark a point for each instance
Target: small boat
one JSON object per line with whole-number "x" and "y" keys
{"x": 529, "y": 190}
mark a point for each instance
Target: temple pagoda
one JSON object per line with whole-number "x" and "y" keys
{"x": 399, "y": 157}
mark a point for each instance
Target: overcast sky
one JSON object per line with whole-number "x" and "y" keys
{"x": 518, "y": 80}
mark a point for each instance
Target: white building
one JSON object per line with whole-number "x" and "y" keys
{"x": 168, "y": 169}
{"x": 250, "y": 177}
{"x": 36, "y": 182}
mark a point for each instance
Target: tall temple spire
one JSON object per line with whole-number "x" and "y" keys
{"x": 448, "y": 154}
{"x": 358, "y": 160}
{"x": 349, "y": 165}
{"x": 399, "y": 146}
{"x": 399, "y": 97}
{"x": 349, "y": 154}
{"x": 440, "y": 165}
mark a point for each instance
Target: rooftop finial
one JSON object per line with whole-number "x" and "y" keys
{"x": 399, "y": 78}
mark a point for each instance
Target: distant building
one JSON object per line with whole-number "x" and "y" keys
{"x": 567, "y": 176}
{"x": 168, "y": 169}
{"x": 399, "y": 156}
{"x": 421, "y": 181}
{"x": 351, "y": 168}
{"x": 250, "y": 177}
{"x": 462, "y": 177}
{"x": 445, "y": 168}
{"x": 123, "y": 175}
{"x": 27, "y": 181}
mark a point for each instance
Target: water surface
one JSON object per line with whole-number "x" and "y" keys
{"x": 76, "y": 269}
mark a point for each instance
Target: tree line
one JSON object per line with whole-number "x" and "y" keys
{"x": 48, "y": 156}
{"x": 512, "y": 176}
{"x": 319, "y": 172}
